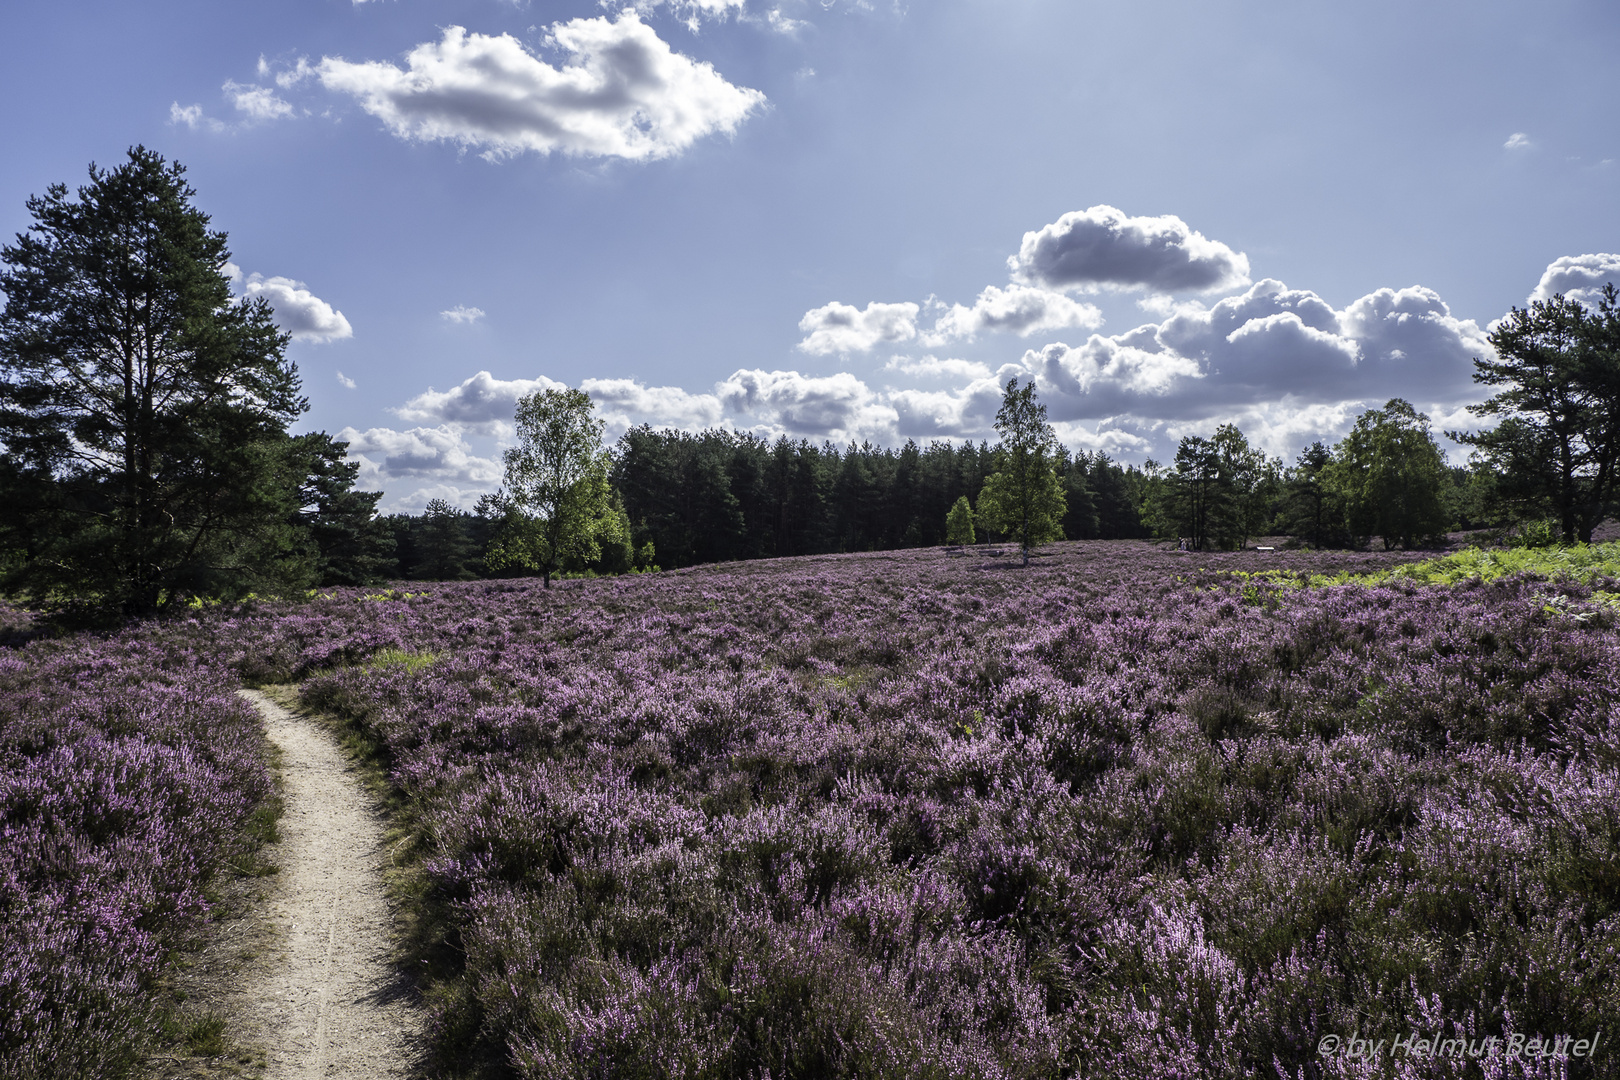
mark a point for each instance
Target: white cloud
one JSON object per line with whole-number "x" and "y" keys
{"x": 1269, "y": 347}
{"x": 839, "y": 327}
{"x": 1285, "y": 426}
{"x": 625, "y": 402}
{"x": 1517, "y": 141}
{"x": 946, "y": 414}
{"x": 623, "y": 93}
{"x": 297, "y": 310}
{"x": 929, "y": 367}
{"x": 692, "y": 12}
{"x": 482, "y": 404}
{"x": 258, "y": 102}
{"x": 1017, "y": 309}
{"x": 784, "y": 24}
{"x": 837, "y": 406}
{"x": 1579, "y": 277}
{"x": 1410, "y": 342}
{"x": 438, "y": 454}
{"x": 192, "y": 116}
{"x": 1104, "y": 248}
{"x": 347, "y": 383}
{"x": 461, "y": 313}
{"x": 294, "y": 75}
{"x": 417, "y": 499}
{"x": 1105, "y": 436}
{"x": 1109, "y": 374}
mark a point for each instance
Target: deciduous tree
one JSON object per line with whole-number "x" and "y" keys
{"x": 1023, "y": 499}
{"x": 557, "y": 499}
{"x": 1392, "y": 477}
{"x": 959, "y": 522}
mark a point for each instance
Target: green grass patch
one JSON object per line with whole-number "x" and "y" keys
{"x": 1582, "y": 563}
{"x": 401, "y": 659}
{"x": 205, "y": 1036}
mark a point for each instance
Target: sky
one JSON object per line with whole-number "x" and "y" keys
{"x": 854, "y": 220}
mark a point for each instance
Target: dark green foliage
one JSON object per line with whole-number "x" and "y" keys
{"x": 959, "y": 523}
{"x": 1310, "y": 510}
{"x": 353, "y": 546}
{"x": 717, "y": 495}
{"x": 1556, "y": 447}
{"x": 1392, "y": 477}
{"x": 1220, "y": 493}
{"x": 143, "y": 410}
{"x": 1023, "y": 498}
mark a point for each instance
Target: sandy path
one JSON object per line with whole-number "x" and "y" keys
{"x": 331, "y": 1004}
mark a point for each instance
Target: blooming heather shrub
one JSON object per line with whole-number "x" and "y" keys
{"x": 1124, "y": 813}
{"x": 126, "y": 774}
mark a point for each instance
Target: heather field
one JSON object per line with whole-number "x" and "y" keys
{"x": 130, "y": 775}
{"x": 1124, "y": 813}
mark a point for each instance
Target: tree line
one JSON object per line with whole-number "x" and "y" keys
{"x": 144, "y": 415}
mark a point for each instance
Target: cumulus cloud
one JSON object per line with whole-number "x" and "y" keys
{"x": 346, "y": 382}
{"x": 1108, "y": 375}
{"x": 1104, "y": 248}
{"x": 461, "y": 313}
{"x": 481, "y": 404}
{"x": 1270, "y": 344}
{"x": 946, "y": 414}
{"x": 419, "y": 464}
{"x": 297, "y": 310}
{"x": 1517, "y": 141}
{"x": 439, "y": 454}
{"x": 256, "y": 102}
{"x": 1579, "y": 277}
{"x": 839, "y": 327}
{"x": 626, "y": 402}
{"x": 837, "y": 406}
{"x": 1106, "y": 436}
{"x": 1017, "y": 309}
{"x": 622, "y": 93}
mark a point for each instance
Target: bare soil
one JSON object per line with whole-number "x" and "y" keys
{"x": 330, "y": 1003}
{"x": 303, "y": 974}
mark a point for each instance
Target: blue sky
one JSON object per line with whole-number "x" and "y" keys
{"x": 852, "y": 220}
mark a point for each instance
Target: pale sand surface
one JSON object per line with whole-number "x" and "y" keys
{"x": 328, "y": 1003}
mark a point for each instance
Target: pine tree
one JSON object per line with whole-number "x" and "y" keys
{"x": 142, "y": 409}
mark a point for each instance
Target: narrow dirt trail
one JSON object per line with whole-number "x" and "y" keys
{"x": 330, "y": 1005}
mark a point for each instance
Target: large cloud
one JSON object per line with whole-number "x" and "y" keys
{"x": 622, "y": 93}
{"x": 297, "y": 310}
{"x": 1579, "y": 277}
{"x": 839, "y": 327}
{"x": 1104, "y": 248}
{"x": 1268, "y": 344}
{"x": 1017, "y": 309}
{"x": 837, "y": 406}
{"x": 482, "y": 404}
{"x": 623, "y": 403}
{"x": 946, "y": 414}
{"x": 434, "y": 462}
